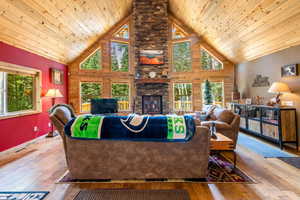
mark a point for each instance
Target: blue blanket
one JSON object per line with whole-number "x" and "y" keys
{"x": 132, "y": 127}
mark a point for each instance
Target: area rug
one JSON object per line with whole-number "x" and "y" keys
{"x": 23, "y": 195}
{"x": 294, "y": 161}
{"x": 129, "y": 194}
{"x": 261, "y": 148}
{"x": 220, "y": 171}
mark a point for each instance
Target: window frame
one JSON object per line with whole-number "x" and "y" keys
{"x": 80, "y": 99}
{"x": 101, "y": 66}
{"x": 117, "y": 30}
{"x": 37, "y": 86}
{"x": 129, "y": 92}
{"x": 192, "y": 102}
{"x": 191, "y": 56}
{"x": 212, "y": 55}
{"x": 110, "y": 53}
{"x": 223, "y": 91}
{"x": 174, "y": 25}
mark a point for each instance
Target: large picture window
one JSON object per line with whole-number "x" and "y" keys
{"x": 19, "y": 90}
{"x": 89, "y": 91}
{"x": 208, "y": 62}
{"x": 183, "y": 96}
{"x": 93, "y": 61}
{"x": 182, "y": 60}
{"x": 120, "y": 91}
{"x": 119, "y": 56}
{"x": 217, "y": 93}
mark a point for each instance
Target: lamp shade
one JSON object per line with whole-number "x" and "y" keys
{"x": 54, "y": 93}
{"x": 278, "y": 87}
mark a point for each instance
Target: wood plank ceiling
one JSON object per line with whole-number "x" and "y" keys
{"x": 58, "y": 29}
{"x": 61, "y": 30}
{"x": 242, "y": 30}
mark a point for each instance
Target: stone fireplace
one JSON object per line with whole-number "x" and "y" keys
{"x": 150, "y": 30}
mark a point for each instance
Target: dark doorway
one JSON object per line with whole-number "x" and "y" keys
{"x": 152, "y": 104}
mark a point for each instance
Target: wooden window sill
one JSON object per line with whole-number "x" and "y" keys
{"x": 21, "y": 114}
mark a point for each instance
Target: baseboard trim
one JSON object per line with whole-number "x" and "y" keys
{"x": 21, "y": 146}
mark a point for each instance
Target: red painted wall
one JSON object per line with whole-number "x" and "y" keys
{"x": 15, "y": 131}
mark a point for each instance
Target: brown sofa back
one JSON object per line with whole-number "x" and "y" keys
{"x": 111, "y": 159}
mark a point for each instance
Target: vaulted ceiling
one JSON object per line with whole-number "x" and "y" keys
{"x": 58, "y": 29}
{"x": 61, "y": 30}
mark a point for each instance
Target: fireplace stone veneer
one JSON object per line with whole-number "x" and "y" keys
{"x": 150, "y": 32}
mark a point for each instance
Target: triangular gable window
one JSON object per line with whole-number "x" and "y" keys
{"x": 177, "y": 32}
{"x": 93, "y": 61}
{"x": 123, "y": 32}
{"x": 209, "y": 62}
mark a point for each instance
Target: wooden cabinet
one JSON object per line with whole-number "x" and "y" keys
{"x": 276, "y": 124}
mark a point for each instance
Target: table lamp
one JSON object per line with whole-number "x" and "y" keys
{"x": 53, "y": 94}
{"x": 279, "y": 88}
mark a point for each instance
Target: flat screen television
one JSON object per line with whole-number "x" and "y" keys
{"x": 104, "y": 106}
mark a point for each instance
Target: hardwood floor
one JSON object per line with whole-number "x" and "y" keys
{"x": 40, "y": 165}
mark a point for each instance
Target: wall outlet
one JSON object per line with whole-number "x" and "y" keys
{"x": 49, "y": 124}
{"x": 35, "y": 129}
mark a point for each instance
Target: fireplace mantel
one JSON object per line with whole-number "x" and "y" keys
{"x": 152, "y": 80}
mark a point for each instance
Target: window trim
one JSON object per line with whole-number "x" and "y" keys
{"x": 129, "y": 92}
{"x": 110, "y": 59}
{"x": 80, "y": 99}
{"x": 191, "y": 56}
{"x": 212, "y": 55}
{"x": 118, "y": 29}
{"x": 101, "y": 67}
{"x": 223, "y": 91}
{"x": 186, "y": 35}
{"x": 192, "y": 106}
{"x": 37, "y": 103}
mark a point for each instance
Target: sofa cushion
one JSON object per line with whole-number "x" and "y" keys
{"x": 219, "y": 125}
{"x": 224, "y": 115}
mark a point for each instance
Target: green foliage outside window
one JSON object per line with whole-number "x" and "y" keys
{"x": 89, "y": 91}
{"x": 119, "y": 56}
{"x": 213, "y": 93}
{"x": 182, "y": 60}
{"x": 183, "y": 96}
{"x": 92, "y": 62}
{"x": 209, "y": 62}
{"x": 19, "y": 92}
{"x": 120, "y": 91}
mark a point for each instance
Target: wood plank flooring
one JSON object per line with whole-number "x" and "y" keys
{"x": 40, "y": 165}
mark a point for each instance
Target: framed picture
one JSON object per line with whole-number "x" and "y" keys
{"x": 289, "y": 70}
{"x": 151, "y": 57}
{"x": 248, "y": 101}
{"x": 57, "y": 76}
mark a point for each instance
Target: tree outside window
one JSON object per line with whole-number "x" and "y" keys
{"x": 92, "y": 62}
{"x": 208, "y": 62}
{"x": 120, "y": 91}
{"x": 182, "y": 61}
{"x": 183, "y": 96}
{"x": 89, "y": 91}
{"x": 20, "y": 90}
{"x": 119, "y": 57}
{"x": 216, "y": 91}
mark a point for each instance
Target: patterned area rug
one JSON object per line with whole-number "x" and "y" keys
{"x": 220, "y": 171}
{"x": 125, "y": 194}
{"x": 23, "y": 195}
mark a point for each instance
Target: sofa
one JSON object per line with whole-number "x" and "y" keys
{"x": 226, "y": 122}
{"x": 111, "y": 159}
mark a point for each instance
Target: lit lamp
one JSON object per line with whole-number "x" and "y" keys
{"x": 279, "y": 88}
{"x": 53, "y": 94}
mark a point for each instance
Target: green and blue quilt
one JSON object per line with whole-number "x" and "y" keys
{"x": 132, "y": 127}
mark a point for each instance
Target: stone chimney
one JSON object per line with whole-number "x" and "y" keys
{"x": 150, "y": 27}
